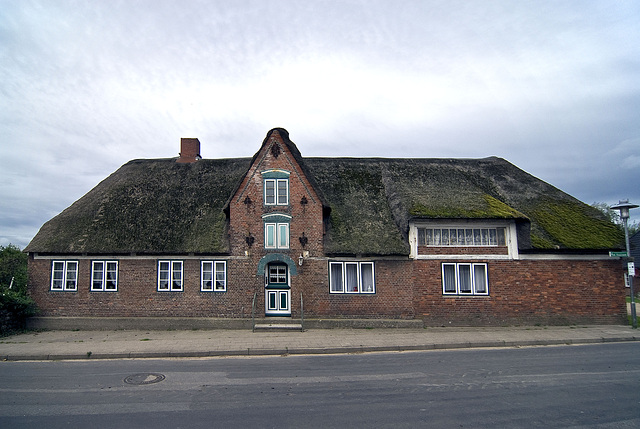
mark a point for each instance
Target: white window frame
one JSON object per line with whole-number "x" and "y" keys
{"x": 340, "y": 283}
{"x": 68, "y": 282}
{"x": 276, "y": 235}
{"x": 475, "y": 281}
{"x": 280, "y": 197}
{"x": 103, "y": 280}
{"x": 213, "y": 276}
{"x": 171, "y": 279}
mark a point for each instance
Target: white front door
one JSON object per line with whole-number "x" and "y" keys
{"x": 277, "y": 292}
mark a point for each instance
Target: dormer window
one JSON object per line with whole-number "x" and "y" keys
{"x": 276, "y": 187}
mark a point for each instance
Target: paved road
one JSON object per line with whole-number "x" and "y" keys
{"x": 560, "y": 386}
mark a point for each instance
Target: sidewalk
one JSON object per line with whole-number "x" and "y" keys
{"x": 55, "y": 345}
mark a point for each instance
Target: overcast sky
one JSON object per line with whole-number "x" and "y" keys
{"x": 85, "y": 86}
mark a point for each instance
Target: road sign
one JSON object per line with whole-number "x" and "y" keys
{"x": 632, "y": 269}
{"x": 618, "y": 254}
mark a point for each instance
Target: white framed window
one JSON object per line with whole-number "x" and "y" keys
{"x": 170, "y": 276}
{"x": 276, "y": 235}
{"x": 276, "y": 192}
{"x": 213, "y": 276}
{"x": 464, "y": 279}
{"x": 64, "y": 275}
{"x": 352, "y": 277}
{"x": 104, "y": 276}
{"x": 451, "y": 236}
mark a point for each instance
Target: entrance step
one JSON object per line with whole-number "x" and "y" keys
{"x": 278, "y": 324}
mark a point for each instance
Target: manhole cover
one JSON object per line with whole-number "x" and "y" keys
{"x": 144, "y": 378}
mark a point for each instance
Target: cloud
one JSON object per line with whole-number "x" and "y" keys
{"x": 87, "y": 86}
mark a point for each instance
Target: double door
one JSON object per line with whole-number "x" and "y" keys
{"x": 277, "y": 290}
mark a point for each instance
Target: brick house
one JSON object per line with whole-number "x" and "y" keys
{"x": 446, "y": 241}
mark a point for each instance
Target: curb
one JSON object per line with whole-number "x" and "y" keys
{"x": 315, "y": 350}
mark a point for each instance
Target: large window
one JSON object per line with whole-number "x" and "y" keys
{"x": 276, "y": 192}
{"x": 104, "y": 276}
{"x": 461, "y": 237}
{"x": 351, "y": 277}
{"x": 464, "y": 279}
{"x": 64, "y": 275}
{"x": 213, "y": 275}
{"x": 170, "y": 276}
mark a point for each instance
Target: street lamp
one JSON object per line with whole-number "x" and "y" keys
{"x": 624, "y": 206}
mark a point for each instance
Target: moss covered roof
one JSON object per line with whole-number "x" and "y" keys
{"x": 160, "y": 206}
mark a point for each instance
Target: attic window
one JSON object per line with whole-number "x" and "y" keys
{"x": 461, "y": 237}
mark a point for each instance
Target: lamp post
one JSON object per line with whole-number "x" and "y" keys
{"x": 624, "y": 206}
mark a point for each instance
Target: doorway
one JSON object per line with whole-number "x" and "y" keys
{"x": 277, "y": 290}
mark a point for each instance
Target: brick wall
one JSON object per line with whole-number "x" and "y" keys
{"x": 526, "y": 292}
{"x": 520, "y": 292}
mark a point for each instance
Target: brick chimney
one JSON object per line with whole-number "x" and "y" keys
{"x": 189, "y": 150}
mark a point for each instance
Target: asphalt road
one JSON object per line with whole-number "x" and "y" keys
{"x": 595, "y": 386}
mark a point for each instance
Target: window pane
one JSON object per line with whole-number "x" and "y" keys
{"x": 57, "y": 280}
{"x": 207, "y": 275}
{"x": 283, "y": 235}
{"x": 221, "y": 276}
{"x": 485, "y": 237}
{"x": 449, "y": 278}
{"x": 436, "y": 237}
{"x": 270, "y": 235}
{"x": 163, "y": 275}
{"x": 283, "y": 194}
{"x": 477, "y": 239}
{"x": 445, "y": 237}
{"x": 429, "y": 237}
{"x": 480, "y": 277}
{"x": 72, "y": 275}
{"x": 469, "y": 237}
{"x": 335, "y": 277}
{"x": 176, "y": 276}
{"x": 421, "y": 237}
{"x": 453, "y": 237}
{"x": 464, "y": 274}
{"x": 112, "y": 276}
{"x": 98, "y": 273}
{"x": 269, "y": 192}
{"x": 501, "y": 237}
{"x": 492, "y": 237}
{"x": 366, "y": 277}
{"x": 351, "y": 276}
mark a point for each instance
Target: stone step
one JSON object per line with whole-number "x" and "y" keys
{"x": 278, "y": 324}
{"x": 278, "y": 327}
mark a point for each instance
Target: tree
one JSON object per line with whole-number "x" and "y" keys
{"x": 15, "y": 305}
{"x": 13, "y": 267}
{"x": 614, "y": 216}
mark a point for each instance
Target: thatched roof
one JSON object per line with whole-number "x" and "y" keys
{"x": 148, "y": 206}
{"x": 160, "y": 206}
